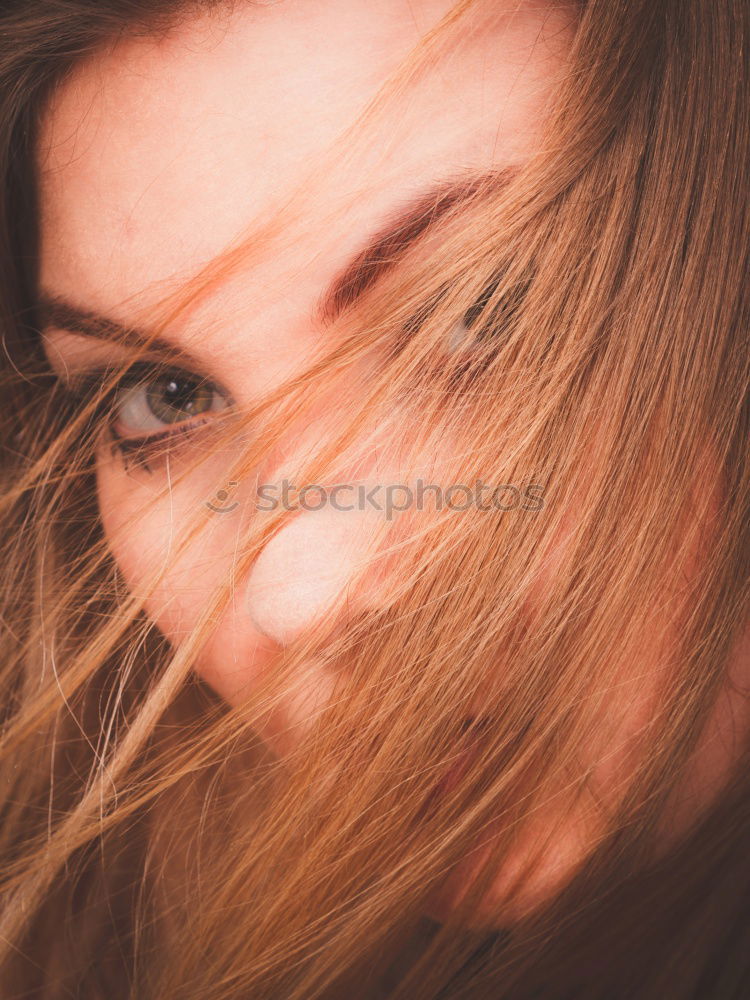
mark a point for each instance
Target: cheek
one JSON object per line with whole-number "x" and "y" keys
{"x": 300, "y": 575}
{"x": 176, "y": 579}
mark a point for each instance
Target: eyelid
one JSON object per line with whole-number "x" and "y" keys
{"x": 85, "y": 382}
{"x": 77, "y": 348}
{"x": 90, "y": 386}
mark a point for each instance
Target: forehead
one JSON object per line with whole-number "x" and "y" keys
{"x": 156, "y": 153}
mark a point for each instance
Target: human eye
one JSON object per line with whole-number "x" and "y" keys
{"x": 475, "y": 341}
{"x": 490, "y": 315}
{"x": 159, "y": 403}
{"x": 149, "y": 407}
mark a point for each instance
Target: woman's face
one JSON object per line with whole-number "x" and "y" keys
{"x": 157, "y": 154}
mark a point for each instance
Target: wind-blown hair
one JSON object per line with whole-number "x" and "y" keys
{"x": 152, "y": 846}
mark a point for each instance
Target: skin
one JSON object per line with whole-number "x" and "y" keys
{"x": 156, "y": 155}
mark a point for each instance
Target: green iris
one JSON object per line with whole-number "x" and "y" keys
{"x": 174, "y": 398}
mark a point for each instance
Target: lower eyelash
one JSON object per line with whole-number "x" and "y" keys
{"x": 141, "y": 451}
{"x": 94, "y": 387}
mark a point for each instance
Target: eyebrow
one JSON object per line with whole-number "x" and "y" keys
{"x": 395, "y": 237}
{"x": 380, "y": 254}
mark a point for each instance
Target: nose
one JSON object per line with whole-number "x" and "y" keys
{"x": 307, "y": 568}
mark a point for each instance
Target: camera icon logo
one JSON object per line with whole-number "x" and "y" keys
{"x": 218, "y": 503}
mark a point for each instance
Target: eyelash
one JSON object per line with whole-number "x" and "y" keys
{"x": 141, "y": 449}
{"x": 138, "y": 449}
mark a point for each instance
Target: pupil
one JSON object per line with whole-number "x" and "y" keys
{"x": 178, "y": 395}
{"x": 172, "y": 399}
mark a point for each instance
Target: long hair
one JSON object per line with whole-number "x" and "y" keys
{"x": 152, "y": 846}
